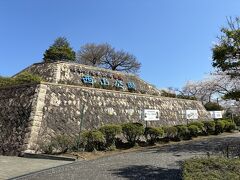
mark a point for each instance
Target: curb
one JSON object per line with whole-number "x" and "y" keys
{"x": 50, "y": 157}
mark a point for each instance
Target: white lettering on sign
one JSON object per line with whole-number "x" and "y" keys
{"x": 151, "y": 115}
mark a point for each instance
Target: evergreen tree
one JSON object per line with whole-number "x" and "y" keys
{"x": 59, "y": 51}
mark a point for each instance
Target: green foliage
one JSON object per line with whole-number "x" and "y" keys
{"x": 200, "y": 126}
{"x": 219, "y": 127}
{"x": 59, "y": 51}
{"x": 46, "y": 147}
{"x": 212, "y": 106}
{"x": 183, "y": 132}
{"x": 110, "y": 131}
{"x": 226, "y": 51}
{"x": 209, "y": 127}
{"x": 181, "y": 96}
{"x": 26, "y": 77}
{"x": 171, "y": 132}
{"x": 22, "y": 78}
{"x": 57, "y": 144}
{"x": 93, "y": 140}
{"x": 193, "y": 130}
{"x": 152, "y": 134}
{"x": 229, "y": 125}
{"x": 237, "y": 120}
{"x": 6, "y": 81}
{"x": 61, "y": 143}
{"x": 132, "y": 132}
{"x": 234, "y": 94}
{"x": 211, "y": 169}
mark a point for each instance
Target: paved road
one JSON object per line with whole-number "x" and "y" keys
{"x": 11, "y": 166}
{"x": 154, "y": 163}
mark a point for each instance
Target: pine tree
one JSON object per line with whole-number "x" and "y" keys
{"x": 59, "y": 51}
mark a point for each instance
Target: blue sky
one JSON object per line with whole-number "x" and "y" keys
{"x": 171, "y": 38}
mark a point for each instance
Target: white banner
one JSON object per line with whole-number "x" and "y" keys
{"x": 151, "y": 115}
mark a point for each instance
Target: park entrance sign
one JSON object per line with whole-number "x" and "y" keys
{"x": 151, "y": 115}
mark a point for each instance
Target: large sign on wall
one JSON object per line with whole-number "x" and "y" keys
{"x": 216, "y": 114}
{"x": 191, "y": 114}
{"x": 151, "y": 115}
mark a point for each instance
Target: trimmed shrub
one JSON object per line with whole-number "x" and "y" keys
{"x": 46, "y": 147}
{"x": 152, "y": 134}
{"x": 213, "y": 106}
{"x": 93, "y": 140}
{"x": 132, "y": 132}
{"x": 237, "y": 120}
{"x": 57, "y": 144}
{"x": 229, "y": 125}
{"x": 110, "y": 131}
{"x": 183, "y": 132}
{"x": 209, "y": 127}
{"x": 200, "y": 126}
{"x": 61, "y": 143}
{"x": 171, "y": 132}
{"x": 193, "y": 130}
{"x": 219, "y": 127}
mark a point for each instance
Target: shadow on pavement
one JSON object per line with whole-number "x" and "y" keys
{"x": 203, "y": 146}
{"x": 141, "y": 172}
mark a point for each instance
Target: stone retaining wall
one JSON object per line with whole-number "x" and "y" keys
{"x": 30, "y": 114}
{"x": 15, "y": 109}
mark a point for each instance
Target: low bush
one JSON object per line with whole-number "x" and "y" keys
{"x": 57, "y": 144}
{"x": 46, "y": 147}
{"x": 229, "y": 125}
{"x": 211, "y": 168}
{"x": 193, "y": 130}
{"x": 93, "y": 140}
{"x": 110, "y": 131}
{"x": 171, "y": 133}
{"x": 22, "y": 78}
{"x": 62, "y": 143}
{"x": 152, "y": 134}
{"x": 209, "y": 127}
{"x": 183, "y": 132}
{"x": 132, "y": 132}
{"x": 237, "y": 120}
{"x": 200, "y": 126}
{"x": 219, "y": 127}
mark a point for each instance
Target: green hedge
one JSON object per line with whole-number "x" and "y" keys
{"x": 93, "y": 140}
{"x": 183, "y": 132}
{"x": 209, "y": 127}
{"x": 23, "y": 78}
{"x": 200, "y": 126}
{"x": 193, "y": 130}
{"x": 219, "y": 127}
{"x": 110, "y": 131}
{"x": 132, "y": 132}
{"x": 170, "y": 132}
{"x": 152, "y": 134}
